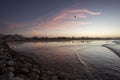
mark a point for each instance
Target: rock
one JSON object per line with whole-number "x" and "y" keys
{"x": 23, "y": 76}
{"x": 27, "y": 64}
{"x": 54, "y": 77}
{"x": 3, "y": 57}
{"x": 16, "y": 78}
{"x": 20, "y": 59}
{"x": 28, "y": 59}
{"x": 34, "y": 76}
{"x": 44, "y": 78}
{"x": 49, "y": 73}
{"x": 4, "y": 77}
{"x": 10, "y": 63}
{"x": 23, "y": 64}
{"x": 2, "y": 64}
{"x": 19, "y": 64}
{"x": 3, "y": 71}
{"x": 10, "y": 75}
{"x": 8, "y": 54}
{"x": 61, "y": 76}
{"x": 36, "y": 70}
{"x": 36, "y": 65}
{"x": 20, "y": 75}
{"x": 10, "y": 69}
{"x": 5, "y": 50}
{"x": 24, "y": 70}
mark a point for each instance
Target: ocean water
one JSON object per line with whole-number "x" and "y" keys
{"x": 77, "y": 60}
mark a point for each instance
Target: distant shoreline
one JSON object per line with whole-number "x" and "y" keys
{"x": 55, "y": 40}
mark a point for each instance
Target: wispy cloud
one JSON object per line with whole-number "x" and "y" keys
{"x": 62, "y": 20}
{"x": 85, "y": 11}
{"x": 74, "y": 13}
{"x": 59, "y": 20}
{"x": 65, "y": 18}
{"x": 14, "y": 25}
{"x": 36, "y": 32}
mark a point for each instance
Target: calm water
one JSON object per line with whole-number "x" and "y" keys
{"x": 78, "y": 60}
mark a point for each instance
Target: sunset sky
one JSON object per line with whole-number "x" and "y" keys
{"x": 54, "y": 18}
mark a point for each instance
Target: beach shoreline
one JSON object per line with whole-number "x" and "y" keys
{"x": 17, "y": 66}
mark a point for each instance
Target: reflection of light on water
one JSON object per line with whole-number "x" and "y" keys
{"x": 36, "y": 44}
{"x": 90, "y": 53}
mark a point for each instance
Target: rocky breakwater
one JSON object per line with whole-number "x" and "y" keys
{"x": 14, "y": 66}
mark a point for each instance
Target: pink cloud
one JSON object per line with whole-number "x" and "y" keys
{"x": 14, "y": 25}
{"x": 84, "y": 23}
{"x": 35, "y": 33}
{"x": 67, "y": 14}
{"x": 66, "y": 18}
{"x": 84, "y": 11}
{"x": 59, "y": 16}
{"x": 61, "y": 20}
{"x": 71, "y": 13}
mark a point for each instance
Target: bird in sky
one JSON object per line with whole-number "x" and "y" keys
{"x": 75, "y": 16}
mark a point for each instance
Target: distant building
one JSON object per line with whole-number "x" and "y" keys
{"x": 15, "y": 37}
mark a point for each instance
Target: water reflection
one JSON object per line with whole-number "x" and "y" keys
{"x": 75, "y": 57}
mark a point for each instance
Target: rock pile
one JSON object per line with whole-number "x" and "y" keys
{"x": 14, "y": 66}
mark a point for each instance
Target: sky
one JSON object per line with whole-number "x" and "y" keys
{"x": 60, "y": 18}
